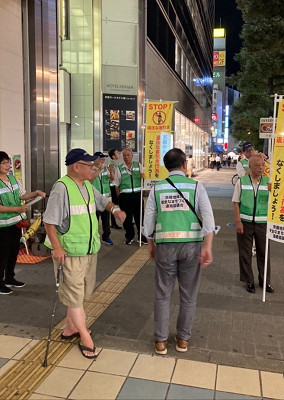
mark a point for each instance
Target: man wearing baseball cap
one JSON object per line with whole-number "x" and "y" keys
{"x": 72, "y": 233}
{"x": 242, "y": 167}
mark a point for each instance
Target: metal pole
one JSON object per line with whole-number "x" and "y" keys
{"x": 58, "y": 280}
{"x": 142, "y": 180}
{"x": 270, "y": 154}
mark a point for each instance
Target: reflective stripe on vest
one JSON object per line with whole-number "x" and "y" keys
{"x": 253, "y": 207}
{"x": 82, "y": 237}
{"x": 175, "y": 220}
{"x": 10, "y": 198}
{"x": 245, "y": 164}
{"x": 130, "y": 183}
{"x": 101, "y": 183}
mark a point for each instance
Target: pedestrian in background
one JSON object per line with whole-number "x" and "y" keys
{"x": 212, "y": 161}
{"x": 179, "y": 245}
{"x": 190, "y": 166}
{"x": 72, "y": 233}
{"x": 12, "y": 213}
{"x": 218, "y": 162}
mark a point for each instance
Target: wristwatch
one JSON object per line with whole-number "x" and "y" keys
{"x": 113, "y": 208}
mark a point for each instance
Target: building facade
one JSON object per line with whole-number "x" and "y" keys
{"x": 77, "y": 73}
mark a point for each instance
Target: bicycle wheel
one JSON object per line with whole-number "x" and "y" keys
{"x": 235, "y": 179}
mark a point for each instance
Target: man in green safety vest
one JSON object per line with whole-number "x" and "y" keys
{"x": 101, "y": 182}
{"x": 180, "y": 243}
{"x": 128, "y": 187}
{"x": 250, "y": 201}
{"x": 72, "y": 232}
{"x": 114, "y": 160}
{"x": 242, "y": 166}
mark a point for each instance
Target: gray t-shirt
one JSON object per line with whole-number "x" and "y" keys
{"x": 57, "y": 210}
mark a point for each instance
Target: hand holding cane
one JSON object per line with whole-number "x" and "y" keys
{"x": 59, "y": 279}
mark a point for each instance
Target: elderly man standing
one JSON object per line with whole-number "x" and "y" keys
{"x": 172, "y": 219}
{"x": 250, "y": 201}
{"x": 128, "y": 186}
{"x": 242, "y": 167}
{"x": 72, "y": 232}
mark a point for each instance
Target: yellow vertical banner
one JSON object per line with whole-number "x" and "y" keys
{"x": 158, "y": 140}
{"x": 275, "y": 218}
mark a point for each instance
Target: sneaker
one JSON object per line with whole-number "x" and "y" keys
{"x": 128, "y": 241}
{"x": 107, "y": 241}
{"x": 14, "y": 283}
{"x": 5, "y": 290}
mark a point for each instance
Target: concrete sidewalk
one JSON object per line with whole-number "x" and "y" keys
{"x": 235, "y": 335}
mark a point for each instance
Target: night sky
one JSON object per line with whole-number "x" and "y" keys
{"x": 231, "y": 20}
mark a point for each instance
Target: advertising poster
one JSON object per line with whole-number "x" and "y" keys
{"x": 219, "y": 59}
{"x": 158, "y": 140}
{"x": 275, "y": 218}
{"x": 17, "y": 167}
{"x": 119, "y": 122}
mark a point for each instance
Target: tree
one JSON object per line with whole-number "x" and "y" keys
{"x": 262, "y": 66}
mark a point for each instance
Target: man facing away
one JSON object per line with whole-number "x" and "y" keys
{"x": 72, "y": 232}
{"x": 250, "y": 200}
{"x": 182, "y": 246}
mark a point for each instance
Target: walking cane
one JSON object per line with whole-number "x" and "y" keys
{"x": 58, "y": 280}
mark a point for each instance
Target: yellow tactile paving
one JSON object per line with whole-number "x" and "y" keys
{"x": 28, "y": 374}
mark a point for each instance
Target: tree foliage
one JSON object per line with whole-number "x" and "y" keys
{"x": 262, "y": 66}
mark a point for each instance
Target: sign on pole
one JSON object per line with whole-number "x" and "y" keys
{"x": 275, "y": 218}
{"x": 265, "y": 128}
{"x": 158, "y": 140}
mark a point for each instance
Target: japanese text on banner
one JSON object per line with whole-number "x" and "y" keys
{"x": 275, "y": 218}
{"x": 158, "y": 138}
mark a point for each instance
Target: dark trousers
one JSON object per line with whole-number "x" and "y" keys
{"x": 114, "y": 199}
{"x": 245, "y": 242}
{"x": 130, "y": 203}
{"x": 9, "y": 248}
{"x": 105, "y": 223}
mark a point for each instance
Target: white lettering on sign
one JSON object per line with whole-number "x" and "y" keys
{"x": 173, "y": 202}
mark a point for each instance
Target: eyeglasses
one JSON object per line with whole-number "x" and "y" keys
{"x": 5, "y": 162}
{"x": 87, "y": 165}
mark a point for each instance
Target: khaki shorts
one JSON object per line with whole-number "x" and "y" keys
{"x": 79, "y": 279}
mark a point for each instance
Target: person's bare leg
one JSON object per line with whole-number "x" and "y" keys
{"x": 77, "y": 316}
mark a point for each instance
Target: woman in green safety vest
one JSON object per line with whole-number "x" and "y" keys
{"x": 12, "y": 212}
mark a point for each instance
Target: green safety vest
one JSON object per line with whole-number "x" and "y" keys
{"x": 10, "y": 198}
{"x": 245, "y": 164}
{"x": 130, "y": 183}
{"x": 116, "y": 166}
{"x": 253, "y": 208}
{"x": 175, "y": 220}
{"x": 101, "y": 183}
{"x": 82, "y": 237}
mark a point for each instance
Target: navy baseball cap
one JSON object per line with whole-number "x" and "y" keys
{"x": 247, "y": 145}
{"x": 76, "y": 155}
{"x": 99, "y": 154}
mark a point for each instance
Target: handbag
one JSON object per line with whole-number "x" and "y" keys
{"x": 24, "y": 223}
